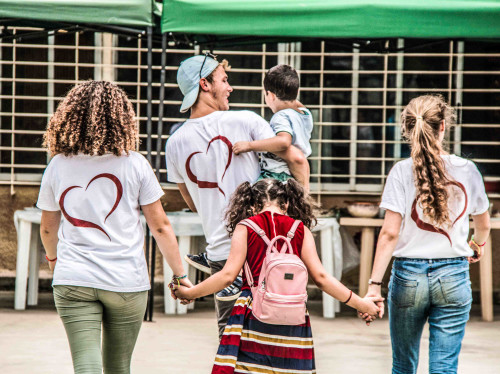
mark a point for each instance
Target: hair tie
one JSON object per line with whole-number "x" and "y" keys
{"x": 419, "y": 117}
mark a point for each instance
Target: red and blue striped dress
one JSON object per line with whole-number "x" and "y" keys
{"x": 251, "y": 346}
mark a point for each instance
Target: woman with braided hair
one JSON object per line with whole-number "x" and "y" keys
{"x": 428, "y": 199}
{"x": 91, "y": 195}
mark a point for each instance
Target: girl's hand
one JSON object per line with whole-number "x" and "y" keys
{"x": 368, "y": 308}
{"x": 186, "y": 283}
{"x": 182, "y": 292}
{"x": 380, "y": 304}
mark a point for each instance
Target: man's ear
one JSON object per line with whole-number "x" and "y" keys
{"x": 204, "y": 84}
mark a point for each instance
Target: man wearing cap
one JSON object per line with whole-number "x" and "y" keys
{"x": 200, "y": 157}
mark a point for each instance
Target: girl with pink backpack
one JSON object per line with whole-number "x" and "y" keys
{"x": 269, "y": 328}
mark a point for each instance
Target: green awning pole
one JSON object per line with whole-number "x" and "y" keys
{"x": 149, "y": 113}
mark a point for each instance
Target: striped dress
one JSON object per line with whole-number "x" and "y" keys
{"x": 251, "y": 346}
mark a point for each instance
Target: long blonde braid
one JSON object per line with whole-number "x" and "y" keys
{"x": 420, "y": 124}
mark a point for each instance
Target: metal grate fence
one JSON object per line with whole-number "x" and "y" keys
{"x": 355, "y": 97}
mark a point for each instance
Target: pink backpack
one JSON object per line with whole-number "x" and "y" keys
{"x": 280, "y": 296}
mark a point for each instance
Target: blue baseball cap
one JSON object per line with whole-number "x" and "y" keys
{"x": 189, "y": 74}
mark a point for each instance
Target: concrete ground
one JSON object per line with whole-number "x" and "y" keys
{"x": 34, "y": 341}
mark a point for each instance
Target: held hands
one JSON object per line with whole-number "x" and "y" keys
{"x": 181, "y": 291}
{"x": 184, "y": 284}
{"x": 478, "y": 252}
{"x": 241, "y": 147}
{"x": 374, "y": 304}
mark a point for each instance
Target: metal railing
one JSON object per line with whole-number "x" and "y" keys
{"x": 356, "y": 98}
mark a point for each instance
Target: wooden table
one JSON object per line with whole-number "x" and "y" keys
{"x": 368, "y": 226}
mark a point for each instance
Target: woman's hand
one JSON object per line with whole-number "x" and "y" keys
{"x": 184, "y": 282}
{"x": 369, "y": 305}
{"x": 187, "y": 283}
{"x": 478, "y": 252}
{"x": 374, "y": 292}
{"x": 386, "y": 243}
{"x": 368, "y": 308}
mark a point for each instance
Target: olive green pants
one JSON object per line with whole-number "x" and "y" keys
{"x": 84, "y": 310}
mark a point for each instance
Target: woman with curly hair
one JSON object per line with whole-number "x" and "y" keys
{"x": 428, "y": 199}
{"x": 91, "y": 195}
{"x": 248, "y": 344}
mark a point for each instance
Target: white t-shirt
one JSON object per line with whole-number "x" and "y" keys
{"x": 200, "y": 155}
{"x": 299, "y": 126}
{"x": 101, "y": 239}
{"x": 418, "y": 238}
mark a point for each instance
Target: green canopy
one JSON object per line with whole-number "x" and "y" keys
{"x": 131, "y": 13}
{"x": 334, "y": 18}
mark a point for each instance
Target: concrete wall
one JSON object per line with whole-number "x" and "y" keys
{"x": 172, "y": 201}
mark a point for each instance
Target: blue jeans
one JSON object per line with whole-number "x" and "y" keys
{"x": 423, "y": 290}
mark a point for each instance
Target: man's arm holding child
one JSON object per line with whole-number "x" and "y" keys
{"x": 298, "y": 165}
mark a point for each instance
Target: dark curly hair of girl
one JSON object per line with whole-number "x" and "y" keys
{"x": 95, "y": 118}
{"x": 249, "y": 200}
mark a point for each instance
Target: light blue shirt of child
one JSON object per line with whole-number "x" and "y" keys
{"x": 299, "y": 126}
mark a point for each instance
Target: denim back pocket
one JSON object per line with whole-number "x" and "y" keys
{"x": 403, "y": 292}
{"x": 456, "y": 289}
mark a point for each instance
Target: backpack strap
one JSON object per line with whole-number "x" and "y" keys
{"x": 249, "y": 223}
{"x": 248, "y": 274}
{"x": 287, "y": 246}
{"x": 291, "y": 233}
{"x": 258, "y": 230}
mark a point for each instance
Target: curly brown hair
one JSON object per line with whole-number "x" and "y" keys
{"x": 249, "y": 200}
{"x": 420, "y": 124}
{"x": 95, "y": 118}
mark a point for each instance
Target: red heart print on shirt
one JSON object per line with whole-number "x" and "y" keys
{"x": 206, "y": 184}
{"x": 427, "y": 226}
{"x": 77, "y": 222}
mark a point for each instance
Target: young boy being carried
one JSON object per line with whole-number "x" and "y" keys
{"x": 292, "y": 123}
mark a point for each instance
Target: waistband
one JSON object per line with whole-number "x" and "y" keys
{"x": 431, "y": 260}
